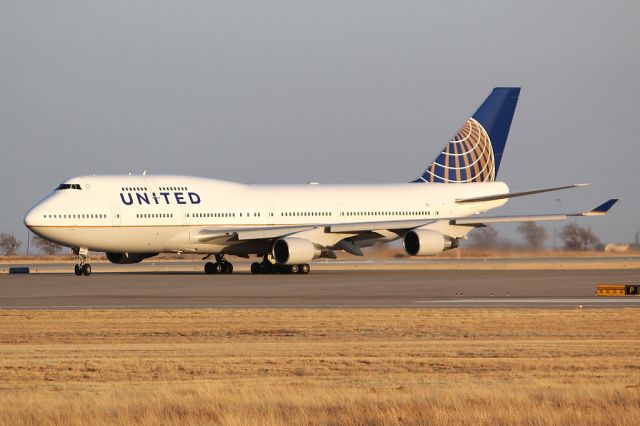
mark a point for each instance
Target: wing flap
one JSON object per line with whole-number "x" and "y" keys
{"x": 372, "y": 226}
{"x": 255, "y": 233}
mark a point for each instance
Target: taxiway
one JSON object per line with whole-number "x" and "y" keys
{"x": 320, "y": 289}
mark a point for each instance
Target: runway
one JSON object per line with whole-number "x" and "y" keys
{"x": 320, "y": 289}
{"x": 432, "y": 264}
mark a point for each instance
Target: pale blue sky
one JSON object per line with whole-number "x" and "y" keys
{"x": 330, "y": 91}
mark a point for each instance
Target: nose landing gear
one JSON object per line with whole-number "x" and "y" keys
{"x": 82, "y": 268}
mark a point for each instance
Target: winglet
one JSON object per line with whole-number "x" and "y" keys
{"x": 603, "y": 208}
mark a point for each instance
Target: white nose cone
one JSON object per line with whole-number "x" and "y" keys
{"x": 33, "y": 217}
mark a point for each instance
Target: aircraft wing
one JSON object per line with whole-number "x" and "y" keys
{"x": 396, "y": 226}
{"x": 601, "y": 210}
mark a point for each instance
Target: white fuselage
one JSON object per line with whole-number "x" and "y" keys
{"x": 155, "y": 214}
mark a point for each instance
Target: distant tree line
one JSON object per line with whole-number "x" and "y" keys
{"x": 9, "y": 245}
{"x": 578, "y": 238}
{"x": 575, "y": 237}
{"x": 48, "y": 247}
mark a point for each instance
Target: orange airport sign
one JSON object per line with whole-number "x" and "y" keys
{"x": 618, "y": 290}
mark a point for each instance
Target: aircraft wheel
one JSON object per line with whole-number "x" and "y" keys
{"x": 209, "y": 268}
{"x": 78, "y": 269}
{"x": 266, "y": 268}
{"x": 304, "y": 269}
{"x": 255, "y": 268}
{"x": 227, "y": 268}
{"x": 293, "y": 269}
{"x": 86, "y": 269}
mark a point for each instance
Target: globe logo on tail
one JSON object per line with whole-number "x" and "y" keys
{"x": 467, "y": 158}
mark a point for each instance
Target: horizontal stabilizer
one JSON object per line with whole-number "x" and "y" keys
{"x": 516, "y": 194}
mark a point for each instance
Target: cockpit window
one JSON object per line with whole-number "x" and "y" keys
{"x": 68, "y": 186}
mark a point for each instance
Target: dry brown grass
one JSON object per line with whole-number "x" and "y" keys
{"x": 320, "y": 367}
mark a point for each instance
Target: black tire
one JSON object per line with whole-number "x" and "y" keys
{"x": 293, "y": 269}
{"x": 305, "y": 268}
{"x": 255, "y": 268}
{"x": 218, "y": 268}
{"x": 266, "y": 267}
{"x": 86, "y": 269}
{"x": 209, "y": 268}
{"x": 78, "y": 270}
{"x": 227, "y": 268}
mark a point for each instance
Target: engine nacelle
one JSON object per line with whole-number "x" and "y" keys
{"x": 427, "y": 242}
{"x": 125, "y": 258}
{"x": 294, "y": 251}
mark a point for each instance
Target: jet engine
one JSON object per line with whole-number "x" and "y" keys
{"x": 427, "y": 242}
{"x": 124, "y": 258}
{"x": 294, "y": 251}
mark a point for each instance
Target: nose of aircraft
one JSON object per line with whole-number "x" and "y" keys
{"x": 32, "y": 216}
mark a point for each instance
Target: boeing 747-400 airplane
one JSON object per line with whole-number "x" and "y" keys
{"x": 132, "y": 218}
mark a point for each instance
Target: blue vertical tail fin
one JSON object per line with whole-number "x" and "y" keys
{"x": 475, "y": 152}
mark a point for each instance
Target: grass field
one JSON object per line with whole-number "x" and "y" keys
{"x": 320, "y": 367}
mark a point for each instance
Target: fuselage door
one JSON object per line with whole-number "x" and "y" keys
{"x": 339, "y": 213}
{"x": 270, "y": 215}
{"x": 115, "y": 215}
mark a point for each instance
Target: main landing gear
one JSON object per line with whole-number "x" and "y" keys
{"x": 82, "y": 268}
{"x": 221, "y": 266}
{"x": 266, "y": 267}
